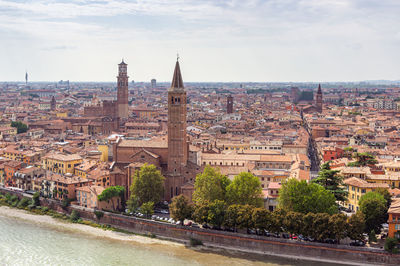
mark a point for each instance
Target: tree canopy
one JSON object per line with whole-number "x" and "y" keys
{"x": 245, "y": 189}
{"x": 331, "y": 181}
{"x": 180, "y": 208}
{"x": 210, "y": 186}
{"x": 147, "y": 185}
{"x": 300, "y": 196}
{"x": 373, "y": 206}
{"x": 362, "y": 159}
{"x": 111, "y": 192}
{"x": 21, "y": 127}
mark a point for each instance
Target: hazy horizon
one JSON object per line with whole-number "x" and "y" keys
{"x": 218, "y": 41}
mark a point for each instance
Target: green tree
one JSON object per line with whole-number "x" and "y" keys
{"x": 386, "y": 195}
{"x": 232, "y": 216}
{"x": 210, "y": 186}
{"x": 391, "y": 245}
{"x": 200, "y": 213}
{"x": 293, "y": 222}
{"x": 300, "y": 196}
{"x": 356, "y": 225}
{"x": 331, "y": 181}
{"x": 245, "y": 216}
{"x": 112, "y": 192}
{"x": 245, "y": 189}
{"x": 321, "y": 228}
{"x": 261, "y": 218}
{"x": 216, "y": 213}
{"x": 338, "y": 226}
{"x": 277, "y": 219}
{"x": 147, "y": 185}
{"x": 21, "y": 127}
{"x": 308, "y": 224}
{"x": 180, "y": 208}
{"x": 373, "y": 205}
{"x": 147, "y": 209}
{"x": 362, "y": 159}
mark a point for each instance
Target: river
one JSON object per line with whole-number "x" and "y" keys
{"x": 26, "y": 243}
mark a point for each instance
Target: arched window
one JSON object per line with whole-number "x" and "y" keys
{"x": 176, "y": 190}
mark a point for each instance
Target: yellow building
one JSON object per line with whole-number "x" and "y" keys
{"x": 62, "y": 114}
{"x": 84, "y": 168}
{"x": 61, "y": 163}
{"x": 358, "y": 187}
{"x": 103, "y": 148}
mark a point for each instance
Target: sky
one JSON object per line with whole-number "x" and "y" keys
{"x": 236, "y": 40}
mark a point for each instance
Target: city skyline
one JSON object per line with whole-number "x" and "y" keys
{"x": 228, "y": 41}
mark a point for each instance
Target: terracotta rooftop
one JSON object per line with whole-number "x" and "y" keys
{"x": 357, "y": 182}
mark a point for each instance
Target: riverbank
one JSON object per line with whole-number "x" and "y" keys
{"x": 81, "y": 228}
{"x": 239, "y": 256}
{"x": 200, "y": 255}
{"x": 229, "y": 244}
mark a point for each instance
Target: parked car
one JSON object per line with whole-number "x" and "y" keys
{"x": 164, "y": 211}
{"x": 188, "y": 223}
{"x": 330, "y": 241}
{"x": 251, "y": 231}
{"x": 285, "y": 235}
{"x": 293, "y": 236}
{"x": 357, "y": 243}
{"x": 205, "y": 226}
{"x": 195, "y": 225}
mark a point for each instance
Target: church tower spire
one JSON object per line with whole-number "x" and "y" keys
{"x": 177, "y": 139}
{"x": 318, "y": 99}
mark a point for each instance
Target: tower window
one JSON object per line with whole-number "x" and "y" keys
{"x": 176, "y": 190}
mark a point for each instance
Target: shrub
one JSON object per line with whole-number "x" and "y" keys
{"x": 195, "y": 242}
{"x": 391, "y": 245}
{"x": 35, "y": 199}
{"x": 12, "y": 200}
{"x": 74, "y": 216}
{"x": 99, "y": 214}
{"x": 24, "y": 202}
{"x": 372, "y": 236}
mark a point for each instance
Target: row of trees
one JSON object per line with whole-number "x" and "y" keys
{"x": 319, "y": 226}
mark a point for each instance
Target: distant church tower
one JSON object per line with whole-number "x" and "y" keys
{"x": 53, "y": 104}
{"x": 26, "y": 78}
{"x": 318, "y": 99}
{"x": 122, "y": 94}
{"x": 229, "y": 104}
{"x": 177, "y": 139}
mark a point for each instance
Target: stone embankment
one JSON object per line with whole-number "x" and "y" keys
{"x": 236, "y": 241}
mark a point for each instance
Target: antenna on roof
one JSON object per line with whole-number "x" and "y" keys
{"x": 177, "y": 56}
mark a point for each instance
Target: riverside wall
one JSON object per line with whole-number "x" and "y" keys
{"x": 235, "y": 241}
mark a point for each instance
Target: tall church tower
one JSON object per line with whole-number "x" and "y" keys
{"x": 122, "y": 94}
{"x": 177, "y": 139}
{"x": 229, "y": 104}
{"x": 318, "y": 99}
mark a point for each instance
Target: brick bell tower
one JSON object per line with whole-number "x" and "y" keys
{"x": 122, "y": 94}
{"x": 177, "y": 139}
{"x": 318, "y": 99}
